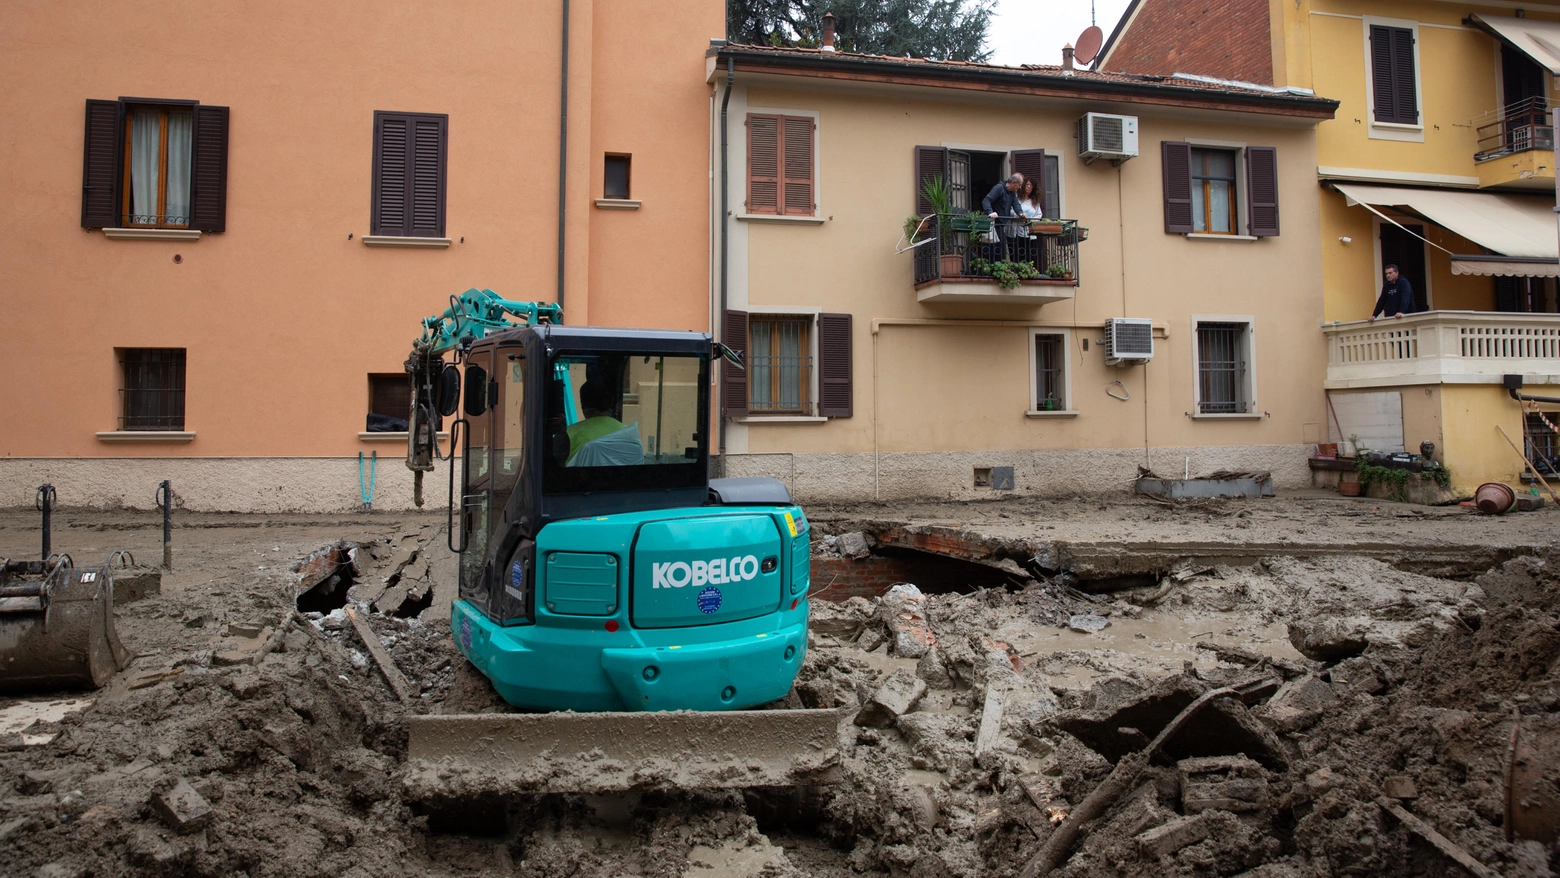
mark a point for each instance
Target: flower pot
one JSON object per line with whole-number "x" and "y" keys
{"x": 1349, "y": 489}
{"x": 1493, "y": 498}
{"x": 952, "y": 265}
{"x": 1045, "y": 227}
{"x": 1327, "y": 449}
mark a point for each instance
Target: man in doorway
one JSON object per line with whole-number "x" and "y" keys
{"x": 1397, "y": 296}
{"x": 1002, "y": 202}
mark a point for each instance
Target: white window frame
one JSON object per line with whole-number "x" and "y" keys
{"x": 812, "y": 351}
{"x": 740, "y": 165}
{"x": 1249, "y": 341}
{"x": 1242, "y": 191}
{"x": 1376, "y": 223}
{"x": 1392, "y": 130}
{"x": 1034, "y": 373}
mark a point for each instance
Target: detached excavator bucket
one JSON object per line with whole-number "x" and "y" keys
{"x": 57, "y": 628}
{"x": 460, "y": 756}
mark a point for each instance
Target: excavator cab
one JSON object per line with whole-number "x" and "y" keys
{"x": 601, "y": 569}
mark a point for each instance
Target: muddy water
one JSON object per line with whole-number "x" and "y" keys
{"x": 1155, "y": 642}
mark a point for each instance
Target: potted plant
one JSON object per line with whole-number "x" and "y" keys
{"x": 1058, "y": 271}
{"x": 937, "y": 193}
{"x": 1007, "y": 274}
{"x": 1046, "y": 227}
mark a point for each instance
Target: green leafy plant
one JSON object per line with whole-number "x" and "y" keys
{"x": 937, "y": 193}
{"x": 1007, "y": 274}
{"x": 1395, "y": 481}
{"x": 1058, "y": 270}
{"x": 912, "y": 227}
{"x": 1440, "y": 475}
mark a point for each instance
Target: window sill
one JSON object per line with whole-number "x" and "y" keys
{"x": 1209, "y": 236}
{"x": 779, "y": 218}
{"x": 399, "y": 241}
{"x": 146, "y": 436}
{"x": 1066, "y": 413}
{"x": 393, "y": 436}
{"x": 1234, "y": 416}
{"x": 618, "y": 203}
{"x": 153, "y": 234}
{"x": 782, "y": 419}
{"x": 1397, "y": 126}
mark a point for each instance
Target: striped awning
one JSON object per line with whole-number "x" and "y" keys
{"x": 1492, "y": 266}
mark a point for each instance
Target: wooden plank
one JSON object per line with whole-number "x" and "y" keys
{"x": 381, "y": 657}
{"x": 990, "y": 725}
{"x": 1437, "y": 840}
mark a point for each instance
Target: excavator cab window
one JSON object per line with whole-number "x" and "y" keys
{"x": 477, "y": 480}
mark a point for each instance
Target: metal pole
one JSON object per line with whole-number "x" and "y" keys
{"x": 165, "y": 503}
{"x": 45, "y": 502}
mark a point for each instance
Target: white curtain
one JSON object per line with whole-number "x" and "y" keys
{"x": 145, "y": 143}
{"x": 181, "y": 128}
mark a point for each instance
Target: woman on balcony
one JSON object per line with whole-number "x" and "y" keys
{"x": 1030, "y": 202}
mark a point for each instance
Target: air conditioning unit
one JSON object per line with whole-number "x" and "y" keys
{"x": 1128, "y": 340}
{"x": 1106, "y": 136}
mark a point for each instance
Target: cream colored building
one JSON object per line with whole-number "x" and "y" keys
{"x": 881, "y": 374}
{"x": 1441, "y": 159}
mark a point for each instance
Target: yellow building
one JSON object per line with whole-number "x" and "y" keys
{"x": 884, "y": 370}
{"x": 1440, "y": 160}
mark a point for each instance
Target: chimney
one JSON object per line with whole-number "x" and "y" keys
{"x": 828, "y": 32}
{"x": 1067, "y": 59}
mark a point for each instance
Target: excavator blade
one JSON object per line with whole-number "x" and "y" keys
{"x": 461, "y": 756}
{"x": 57, "y": 628}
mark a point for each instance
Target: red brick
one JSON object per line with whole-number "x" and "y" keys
{"x": 1228, "y": 39}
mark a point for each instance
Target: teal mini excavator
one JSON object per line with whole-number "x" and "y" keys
{"x": 629, "y": 606}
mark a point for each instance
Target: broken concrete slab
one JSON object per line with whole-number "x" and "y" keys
{"x": 1223, "y": 783}
{"x": 904, "y": 608}
{"x": 1400, "y": 787}
{"x": 1223, "y": 728}
{"x": 182, "y": 808}
{"x": 854, "y": 545}
{"x": 896, "y": 697}
{"x": 1182, "y": 832}
{"x": 135, "y": 584}
{"x": 1298, "y": 704}
{"x": 1088, "y": 623}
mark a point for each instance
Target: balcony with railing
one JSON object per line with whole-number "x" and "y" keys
{"x": 1443, "y": 347}
{"x": 1031, "y": 263}
{"x": 1516, "y": 146}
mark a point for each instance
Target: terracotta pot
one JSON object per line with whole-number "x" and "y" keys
{"x": 1327, "y": 449}
{"x": 1493, "y": 498}
{"x": 1042, "y": 227}
{"x": 1349, "y": 489}
{"x": 952, "y": 265}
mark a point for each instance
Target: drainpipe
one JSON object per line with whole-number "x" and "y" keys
{"x": 563, "y": 149}
{"x": 1514, "y": 383}
{"x": 731, "y": 75}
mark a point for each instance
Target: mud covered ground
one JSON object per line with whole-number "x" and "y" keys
{"x": 972, "y": 724}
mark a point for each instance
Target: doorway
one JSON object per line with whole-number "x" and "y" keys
{"x": 1407, "y": 252}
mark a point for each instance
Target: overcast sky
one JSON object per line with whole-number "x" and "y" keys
{"x": 1033, "y": 31}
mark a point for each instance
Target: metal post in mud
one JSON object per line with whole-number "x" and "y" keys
{"x": 164, "y": 501}
{"x": 45, "y": 502}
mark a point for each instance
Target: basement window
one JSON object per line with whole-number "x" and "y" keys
{"x": 151, "y": 389}
{"x": 1048, "y": 388}
{"x": 389, "y": 402}
{"x": 1224, "y": 384}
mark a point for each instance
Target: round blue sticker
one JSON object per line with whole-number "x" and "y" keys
{"x": 709, "y": 600}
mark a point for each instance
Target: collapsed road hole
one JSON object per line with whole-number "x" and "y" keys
{"x": 327, "y": 575}
{"x": 799, "y": 809}
{"x": 413, "y": 606}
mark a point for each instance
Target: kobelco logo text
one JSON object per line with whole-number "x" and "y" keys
{"x": 678, "y": 574}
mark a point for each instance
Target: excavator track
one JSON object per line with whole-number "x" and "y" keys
{"x": 460, "y": 756}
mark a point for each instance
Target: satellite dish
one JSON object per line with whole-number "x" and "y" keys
{"x": 1089, "y": 43}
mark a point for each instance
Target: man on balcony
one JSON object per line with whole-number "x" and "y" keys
{"x": 999, "y": 204}
{"x": 1397, "y": 296}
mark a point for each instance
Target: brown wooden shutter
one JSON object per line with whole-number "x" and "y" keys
{"x": 208, "y": 173}
{"x": 100, "y": 165}
{"x": 930, "y": 162}
{"x": 1053, "y": 186}
{"x": 1030, "y": 163}
{"x": 1262, "y": 191}
{"x": 733, "y": 381}
{"x": 390, "y": 209}
{"x": 429, "y": 135}
{"x": 763, "y": 164}
{"x": 797, "y": 174}
{"x": 835, "y": 374}
{"x": 1177, "y": 168}
{"x": 1392, "y": 74}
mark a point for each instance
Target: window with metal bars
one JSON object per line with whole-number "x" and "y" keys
{"x": 780, "y": 364}
{"x": 1050, "y": 377}
{"x": 1222, "y": 369}
{"x": 152, "y": 392}
{"x": 1543, "y": 445}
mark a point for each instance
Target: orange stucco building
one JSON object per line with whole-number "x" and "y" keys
{"x": 223, "y": 220}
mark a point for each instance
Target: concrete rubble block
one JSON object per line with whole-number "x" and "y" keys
{"x": 854, "y": 545}
{"x": 1088, "y": 623}
{"x": 137, "y": 583}
{"x": 1167, "y": 838}
{"x": 931, "y": 669}
{"x": 1141, "y": 811}
{"x": 1224, "y": 783}
{"x": 1298, "y": 704}
{"x": 896, "y": 697}
{"x": 1400, "y": 787}
{"x": 904, "y": 608}
{"x": 941, "y": 739}
{"x": 391, "y": 600}
{"x": 182, "y": 808}
{"x": 245, "y": 629}
{"x": 840, "y": 621}
{"x": 1222, "y": 728}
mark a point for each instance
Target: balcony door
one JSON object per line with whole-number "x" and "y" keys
{"x": 1407, "y": 252}
{"x": 1524, "y": 100}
